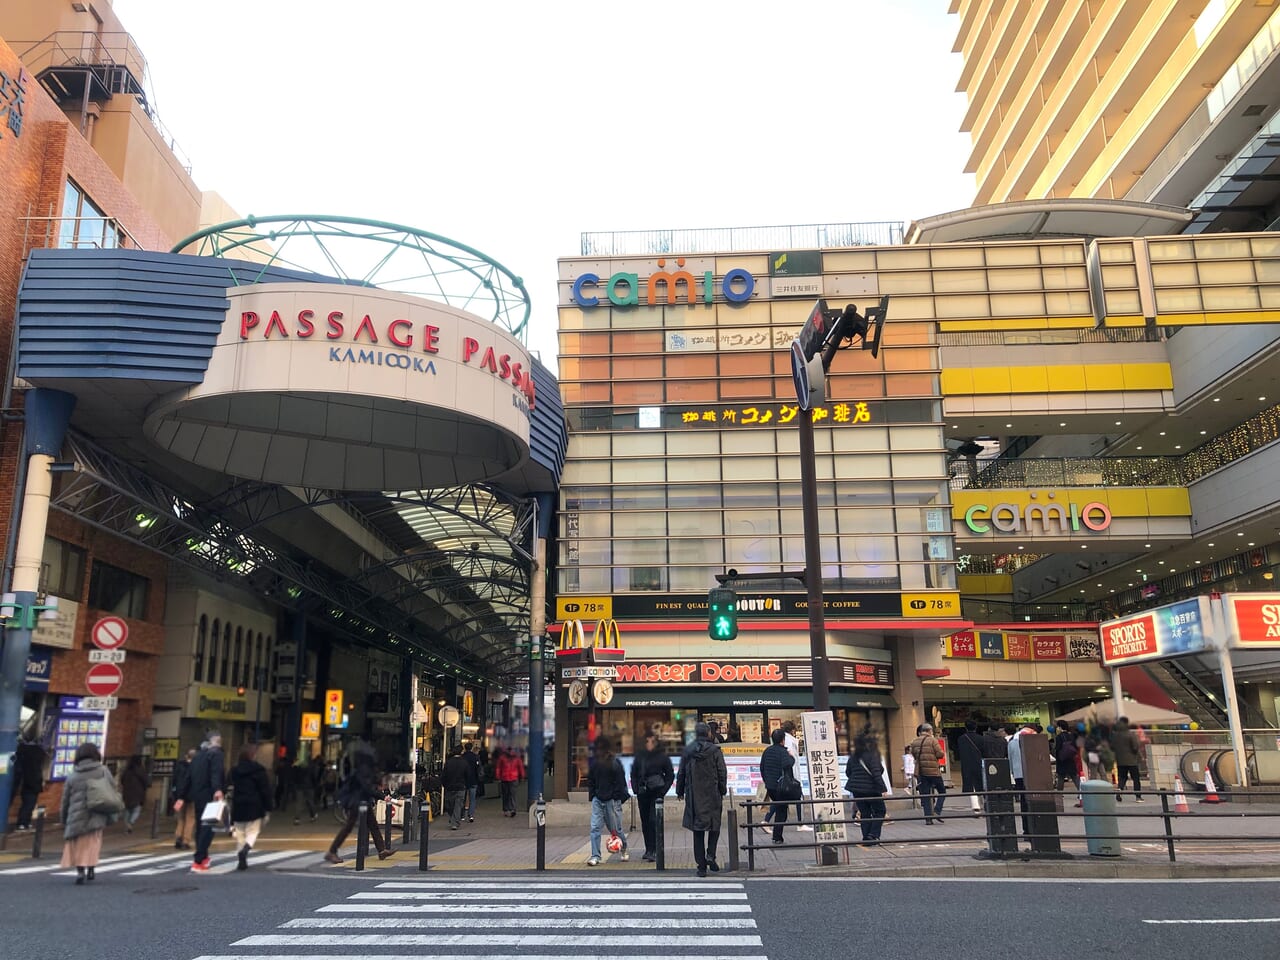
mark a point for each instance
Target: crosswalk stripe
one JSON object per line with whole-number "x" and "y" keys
{"x": 488, "y": 940}
{"x": 423, "y": 923}
{"x": 466, "y": 956}
{"x": 550, "y": 884}
{"x": 109, "y": 866}
{"x": 257, "y": 860}
{"x": 540, "y": 908}
{"x": 57, "y": 865}
{"x": 604, "y": 892}
{"x": 223, "y": 864}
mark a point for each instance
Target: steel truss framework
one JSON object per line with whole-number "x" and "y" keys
{"x": 460, "y": 610}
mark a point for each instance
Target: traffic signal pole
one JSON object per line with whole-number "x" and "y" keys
{"x": 813, "y": 564}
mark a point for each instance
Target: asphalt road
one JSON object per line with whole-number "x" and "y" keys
{"x": 174, "y": 915}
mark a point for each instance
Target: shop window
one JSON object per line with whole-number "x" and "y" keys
{"x": 211, "y": 674}
{"x": 62, "y": 569}
{"x": 117, "y": 591}
{"x": 257, "y": 663}
{"x": 235, "y": 658}
{"x": 197, "y": 661}
{"x": 267, "y": 662}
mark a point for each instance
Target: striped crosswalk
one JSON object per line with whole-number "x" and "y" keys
{"x": 150, "y": 865}
{"x": 532, "y": 920}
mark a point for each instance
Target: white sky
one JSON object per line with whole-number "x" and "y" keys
{"x": 513, "y": 127}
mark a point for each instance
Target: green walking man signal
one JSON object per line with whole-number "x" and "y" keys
{"x": 722, "y": 614}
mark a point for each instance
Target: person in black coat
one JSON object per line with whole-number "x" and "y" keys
{"x": 362, "y": 786}
{"x": 865, "y": 780}
{"x": 207, "y": 780}
{"x": 651, "y": 777}
{"x": 969, "y": 749}
{"x": 607, "y": 789}
{"x": 454, "y": 779}
{"x": 250, "y": 802}
{"x": 774, "y": 762}
{"x": 473, "y": 779}
{"x": 28, "y": 778}
{"x": 184, "y": 817}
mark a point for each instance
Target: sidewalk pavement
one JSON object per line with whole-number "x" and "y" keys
{"x": 1222, "y": 840}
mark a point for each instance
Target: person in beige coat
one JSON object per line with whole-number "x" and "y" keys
{"x": 81, "y": 827}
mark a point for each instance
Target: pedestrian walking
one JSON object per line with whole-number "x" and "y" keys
{"x": 793, "y": 748}
{"x": 928, "y": 754}
{"x": 607, "y": 789}
{"x": 474, "y": 771}
{"x": 250, "y": 803}
{"x": 184, "y": 821}
{"x": 207, "y": 784}
{"x": 1128, "y": 750}
{"x": 1067, "y": 759}
{"x": 300, "y": 785}
{"x": 28, "y": 758}
{"x": 969, "y": 749}
{"x": 777, "y": 767}
{"x": 651, "y": 777}
{"x": 82, "y": 824}
{"x": 362, "y": 786}
{"x": 282, "y": 771}
{"x": 864, "y": 778}
{"x": 134, "y": 783}
{"x": 454, "y": 781}
{"x": 508, "y": 768}
{"x": 703, "y": 783}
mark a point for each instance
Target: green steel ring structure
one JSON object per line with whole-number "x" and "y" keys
{"x": 372, "y": 253}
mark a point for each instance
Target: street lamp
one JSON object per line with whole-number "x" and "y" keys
{"x": 811, "y": 355}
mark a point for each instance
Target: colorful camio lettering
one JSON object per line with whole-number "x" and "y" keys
{"x": 1010, "y": 518}
{"x": 623, "y": 289}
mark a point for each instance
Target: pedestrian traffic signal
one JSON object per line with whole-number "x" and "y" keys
{"x": 722, "y": 614}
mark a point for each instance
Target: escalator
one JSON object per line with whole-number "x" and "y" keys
{"x": 1192, "y": 697}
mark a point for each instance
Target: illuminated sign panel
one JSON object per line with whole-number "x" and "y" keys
{"x": 1176, "y": 628}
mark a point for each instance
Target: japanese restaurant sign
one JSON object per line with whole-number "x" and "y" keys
{"x": 1021, "y": 645}
{"x": 823, "y": 760}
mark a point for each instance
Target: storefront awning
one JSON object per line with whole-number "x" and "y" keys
{"x": 640, "y": 698}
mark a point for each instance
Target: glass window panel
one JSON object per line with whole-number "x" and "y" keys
{"x": 902, "y": 258}
{"x": 690, "y": 366}
{"x": 589, "y": 445}
{"x": 917, "y": 492}
{"x": 957, "y": 255}
{"x": 860, "y": 466}
{"x": 1062, "y": 253}
{"x": 698, "y": 468}
{"x": 695, "y": 579}
{"x": 962, "y": 306}
{"x": 693, "y": 441}
{"x": 642, "y": 392}
{"x": 860, "y": 438}
{"x": 916, "y": 438}
{"x": 693, "y": 391}
{"x": 586, "y": 498}
{"x": 1010, "y": 254}
{"x": 1214, "y": 248}
{"x": 918, "y": 465}
{"x": 865, "y": 519}
{"x": 590, "y": 553}
{"x": 215, "y": 637}
{"x": 70, "y": 211}
{"x": 1226, "y": 271}
{"x": 636, "y": 368}
{"x": 1176, "y": 300}
{"x": 639, "y": 579}
{"x": 896, "y": 283}
{"x": 1025, "y": 280}
{"x": 748, "y": 441}
{"x": 1230, "y": 298}
{"x": 639, "y": 471}
{"x": 751, "y": 495}
{"x": 585, "y": 580}
{"x": 959, "y": 281}
{"x": 1123, "y": 302}
{"x": 586, "y": 471}
{"x": 919, "y": 358}
{"x": 911, "y": 384}
{"x": 640, "y": 498}
{"x": 750, "y": 468}
{"x": 749, "y": 389}
{"x": 589, "y": 525}
{"x": 1017, "y": 305}
{"x": 911, "y": 308}
{"x": 650, "y": 341}
{"x": 639, "y": 524}
{"x": 639, "y": 444}
{"x": 1072, "y": 303}
{"x": 1173, "y": 274}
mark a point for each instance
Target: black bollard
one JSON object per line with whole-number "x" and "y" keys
{"x": 540, "y": 819}
{"x": 733, "y": 839}
{"x": 362, "y": 835}
{"x": 407, "y": 820}
{"x": 659, "y": 835}
{"x": 38, "y": 839}
{"x": 389, "y": 817}
{"x": 424, "y": 827}
{"x": 155, "y": 819}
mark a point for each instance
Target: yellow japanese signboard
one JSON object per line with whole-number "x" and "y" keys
{"x": 310, "y": 727}
{"x": 584, "y": 608}
{"x": 931, "y": 605}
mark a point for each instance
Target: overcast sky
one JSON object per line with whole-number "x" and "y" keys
{"x": 514, "y": 127}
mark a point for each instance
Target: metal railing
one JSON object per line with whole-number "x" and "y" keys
{"x": 1000, "y": 807}
{"x": 75, "y": 233}
{"x": 1053, "y": 472}
{"x": 807, "y": 236}
{"x": 1008, "y": 338}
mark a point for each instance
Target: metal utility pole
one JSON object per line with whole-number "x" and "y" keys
{"x": 811, "y": 356}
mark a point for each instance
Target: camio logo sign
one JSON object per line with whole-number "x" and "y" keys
{"x": 1063, "y": 518}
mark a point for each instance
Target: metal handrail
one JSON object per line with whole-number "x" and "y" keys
{"x": 817, "y": 236}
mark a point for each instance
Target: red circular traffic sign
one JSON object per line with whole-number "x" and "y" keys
{"x": 103, "y": 679}
{"x": 109, "y": 633}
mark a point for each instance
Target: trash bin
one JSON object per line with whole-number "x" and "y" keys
{"x": 1100, "y": 824}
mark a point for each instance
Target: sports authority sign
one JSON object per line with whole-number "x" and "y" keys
{"x": 109, "y": 633}
{"x": 103, "y": 679}
{"x": 1253, "y": 619}
{"x": 1168, "y": 631}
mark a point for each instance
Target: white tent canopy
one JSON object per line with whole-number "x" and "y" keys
{"x": 1139, "y": 714}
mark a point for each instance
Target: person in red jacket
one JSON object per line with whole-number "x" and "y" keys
{"x": 508, "y": 768}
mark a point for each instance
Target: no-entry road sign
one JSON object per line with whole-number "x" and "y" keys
{"x": 109, "y": 633}
{"x": 103, "y": 679}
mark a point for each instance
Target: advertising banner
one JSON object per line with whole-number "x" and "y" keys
{"x": 1006, "y": 645}
{"x": 1168, "y": 631}
{"x": 1253, "y": 619}
{"x": 823, "y": 760}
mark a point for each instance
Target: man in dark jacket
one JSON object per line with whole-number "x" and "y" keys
{"x": 969, "y": 750}
{"x": 362, "y": 786}
{"x": 607, "y": 790}
{"x": 454, "y": 781}
{"x": 703, "y": 783}
{"x": 474, "y": 769}
{"x": 184, "y": 818}
{"x": 29, "y": 763}
{"x": 774, "y": 762}
{"x": 1128, "y": 749}
{"x": 208, "y": 780}
{"x": 651, "y": 777}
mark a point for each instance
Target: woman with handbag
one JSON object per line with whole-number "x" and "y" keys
{"x": 89, "y": 803}
{"x": 865, "y": 780}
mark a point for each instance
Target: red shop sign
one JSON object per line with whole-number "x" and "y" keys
{"x": 1130, "y": 639}
{"x": 1049, "y": 646}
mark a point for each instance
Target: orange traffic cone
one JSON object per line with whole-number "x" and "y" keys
{"x": 1210, "y": 791}
{"x": 1179, "y": 798}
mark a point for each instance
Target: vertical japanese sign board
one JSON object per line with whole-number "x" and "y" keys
{"x": 823, "y": 759}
